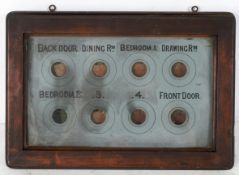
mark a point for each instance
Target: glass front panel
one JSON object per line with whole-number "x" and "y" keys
{"x": 120, "y": 91}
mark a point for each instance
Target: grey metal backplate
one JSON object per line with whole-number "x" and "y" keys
{"x": 119, "y": 92}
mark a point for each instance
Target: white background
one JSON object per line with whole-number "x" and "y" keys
{"x": 108, "y": 5}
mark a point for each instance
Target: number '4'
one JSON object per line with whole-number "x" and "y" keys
{"x": 138, "y": 94}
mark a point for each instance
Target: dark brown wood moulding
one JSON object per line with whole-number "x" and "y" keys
{"x": 219, "y": 25}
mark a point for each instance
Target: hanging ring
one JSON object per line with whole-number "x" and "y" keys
{"x": 194, "y": 9}
{"x": 52, "y": 8}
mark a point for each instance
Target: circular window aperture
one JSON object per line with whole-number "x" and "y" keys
{"x": 98, "y": 116}
{"x": 179, "y": 69}
{"x": 138, "y": 116}
{"x": 179, "y": 116}
{"x": 58, "y": 69}
{"x": 99, "y": 69}
{"x": 139, "y": 69}
{"x": 59, "y": 116}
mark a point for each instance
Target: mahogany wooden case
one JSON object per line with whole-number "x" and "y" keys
{"x": 219, "y": 26}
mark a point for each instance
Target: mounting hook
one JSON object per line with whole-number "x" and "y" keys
{"x": 52, "y": 8}
{"x": 195, "y": 9}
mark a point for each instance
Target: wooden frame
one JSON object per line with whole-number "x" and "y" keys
{"x": 219, "y": 25}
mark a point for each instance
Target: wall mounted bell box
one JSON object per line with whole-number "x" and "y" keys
{"x": 120, "y": 90}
